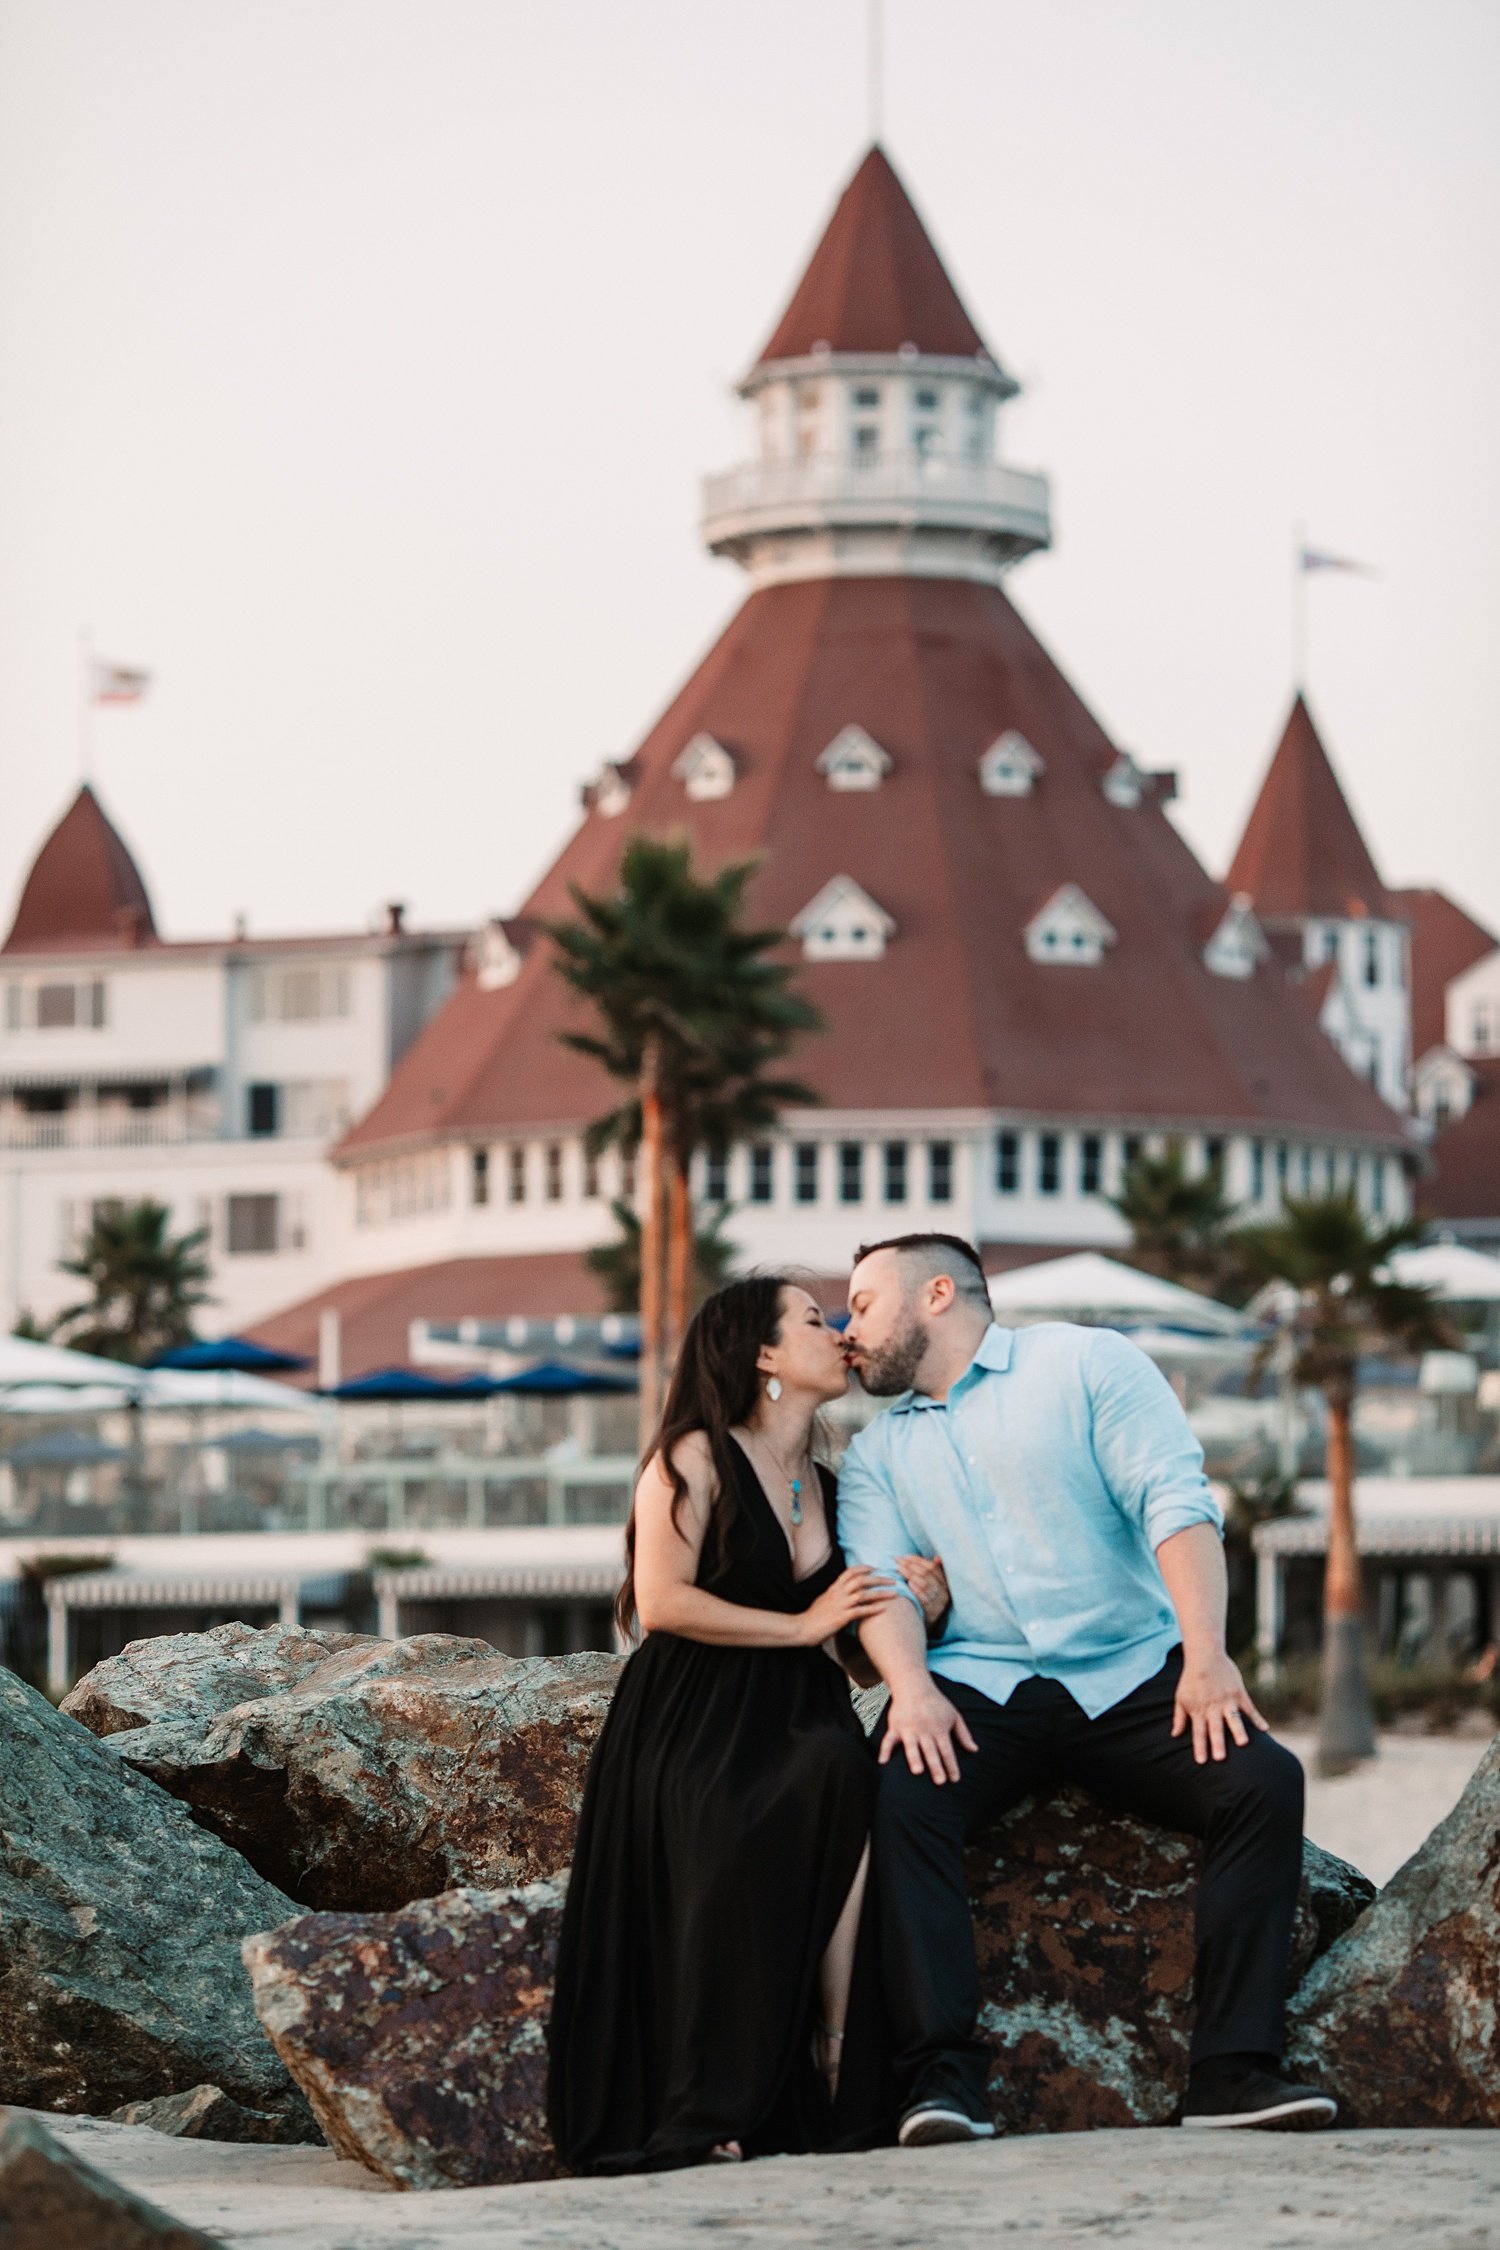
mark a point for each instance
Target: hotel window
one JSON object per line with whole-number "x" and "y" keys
{"x": 309, "y": 993}
{"x": 1372, "y": 957}
{"x": 590, "y": 1173}
{"x": 940, "y": 1171}
{"x": 851, "y": 1172}
{"x": 1257, "y": 1171}
{"x": 627, "y": 1175}
{"x": 1091, "y": 1163}
{"x": 1049, "y": 1163}
{"x": 479, "y": 1175}
{"x": 805, "y": 1172}
{"x": 554, "y": 1172}
{"x": 1213, "y": 1155}
{"x": 866, "y": 396}
{"x": 515, "y": 1182}
{"x": 762, "y": 1172}
{"x": 895, "y": 1171}
{"x": 1008, "y": 1163}
{"x": 251, "y": 1226}
{"x": 866, "y": 439}
{"x": 1130, "y": 1149}
{"x": 716, "y": 1176}
{"x": 1306, "y": 1170}
{"x": 1377, "y": 1185}
{"x": 262, "y": 1111}
{"x": 926, "y": 401}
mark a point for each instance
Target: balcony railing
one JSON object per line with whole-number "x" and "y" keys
{"x": 944, "y": 489}
{"x": 163, "y": 1127}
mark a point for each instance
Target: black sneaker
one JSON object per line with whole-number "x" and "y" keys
{"x": 930, "y": 2124}
{"x": 1255, "y": 2098}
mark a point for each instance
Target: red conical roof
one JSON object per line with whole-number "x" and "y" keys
{"x": 955, "y": 1014}
{"x": 875, "y": 281}
{"x": 84, "y": 892}
{"x": 1302, "y": 853}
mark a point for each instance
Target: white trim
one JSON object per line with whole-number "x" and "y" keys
{"x": 843, "y": 923}
{"x": 1069, "y": 930}
{"x": 854, "y": 760}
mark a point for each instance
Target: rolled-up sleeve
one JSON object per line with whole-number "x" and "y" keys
{"x": 872, "y": 1529}
{"x": 1146, "y": 1451}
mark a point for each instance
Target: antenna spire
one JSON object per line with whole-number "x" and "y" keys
{"x": 875, "y": 64}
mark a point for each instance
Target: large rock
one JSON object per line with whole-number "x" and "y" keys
{"x": 51, "y": 2200}
{"x": 1401, "y": 2019}
{"x": 120, "y": 1928}
{"x": 1084, "y": 1924}
{"x": 368, "y": 1773}
{"x": 206, "y": 2113}
{"x": 200, "y": 1675}
{"x": 420, "y": 2037}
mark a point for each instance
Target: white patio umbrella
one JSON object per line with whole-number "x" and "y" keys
{"x": 1455, "y": 1274}
{"x": 28, "y": 1367}
{"x": 1085, "y": 1285}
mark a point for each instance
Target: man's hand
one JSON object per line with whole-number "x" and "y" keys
{"x": 1210, "y": 1699}
{"x": 925, "y": 1724}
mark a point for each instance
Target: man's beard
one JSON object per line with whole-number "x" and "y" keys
{"x": 896, "y": 1367}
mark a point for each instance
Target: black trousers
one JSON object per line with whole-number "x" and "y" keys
{"x": 1247, "y": 1809}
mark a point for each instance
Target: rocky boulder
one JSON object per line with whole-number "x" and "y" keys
{"x": 207, "y": 2113}
{"x": 367, "y": 1773}
{"x": 120, "y": 1928}
{"x": 1401, "y": 2019}
{"x": 1084, "y": 1925}
{"x": 420, "y": 2037}
{"x": 51, "y": 2200}
{"x": 199, "y": 1675}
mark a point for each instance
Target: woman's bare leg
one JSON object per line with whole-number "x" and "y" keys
{"x": 837, "y": 1973}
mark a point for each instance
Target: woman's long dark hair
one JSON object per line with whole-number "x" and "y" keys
{"x": 714, "y": 1385}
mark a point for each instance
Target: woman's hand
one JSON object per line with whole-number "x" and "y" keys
{"x": 858, "y": 1593}
{"x": 928, "y": 1581}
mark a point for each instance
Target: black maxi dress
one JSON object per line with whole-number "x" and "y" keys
{"x": 728, "y": 1801}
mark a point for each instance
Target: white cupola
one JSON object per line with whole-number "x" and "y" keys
{"x": 1009, "y": 768}
{"x": 843, "y": 923}
{"x": 1069, "y": 928}
{"x": 876, "y": 407}
{"x": 854, "y": 760}
{"x": 705, "y": 769}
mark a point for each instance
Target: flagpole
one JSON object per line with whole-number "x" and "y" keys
{"x": 85, "y": 704}
{"x": 1299, "y": 608}
{"x": 875, "y": 65}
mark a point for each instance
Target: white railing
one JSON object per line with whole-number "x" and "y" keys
{"x": 946, "y": 485}
{"x": 83, "y": 1128}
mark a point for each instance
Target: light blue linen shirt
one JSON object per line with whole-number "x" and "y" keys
{"x": 1056, "y": 1466}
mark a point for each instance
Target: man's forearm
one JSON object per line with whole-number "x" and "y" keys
{"x": 1192, "y": 1565}
{"x": 895, "y": 1641}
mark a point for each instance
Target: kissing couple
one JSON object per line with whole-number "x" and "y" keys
{"x": 767, "y": 1946}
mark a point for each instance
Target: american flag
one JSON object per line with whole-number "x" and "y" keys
{"x": 116, "y": 683}
{"x": 1314, "y": 558}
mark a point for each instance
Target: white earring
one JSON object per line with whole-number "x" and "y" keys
{"x": 773, "y": 1388}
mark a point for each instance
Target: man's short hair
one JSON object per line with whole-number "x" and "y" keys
{"x": 925, "y": 1256}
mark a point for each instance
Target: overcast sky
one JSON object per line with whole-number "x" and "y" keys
{"x": 359, "y": 358}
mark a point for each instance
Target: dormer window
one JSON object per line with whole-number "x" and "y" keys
{"x": 843, "y": 923}
{"x": 1069, "y": 928}
{"x": 705, "y": 769}
{"x": 499, "y": 960}
{"x": 611, "y": 792}
{"x": 1124, "y": 784}
{"x": 854, "y": 760}
{"x": 1238, "y": 943}
{"x": 1009, "y": 768}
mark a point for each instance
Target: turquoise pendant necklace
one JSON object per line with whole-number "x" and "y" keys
{"x": 796, "y": 1484}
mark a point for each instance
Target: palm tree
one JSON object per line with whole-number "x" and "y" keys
{"x": 689, "y": 1008}
{"x": 618, "y": 1261}
{"x": 1179, "y": 1221}
{"x": 144, "y": 1284}
{"x": 1339, "y": 1300}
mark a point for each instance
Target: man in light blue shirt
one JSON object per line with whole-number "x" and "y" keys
{"x": 1054, "y": 1472}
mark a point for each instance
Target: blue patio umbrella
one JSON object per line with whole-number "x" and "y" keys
{"x": 231, "y": 1355}
{"x": 64, "y": 1449}
{"x": 394, "y": 1385}
{"x": 554, "y": 1378}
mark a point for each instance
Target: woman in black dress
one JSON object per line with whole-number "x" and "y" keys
{"x": 708, "y": 1992}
